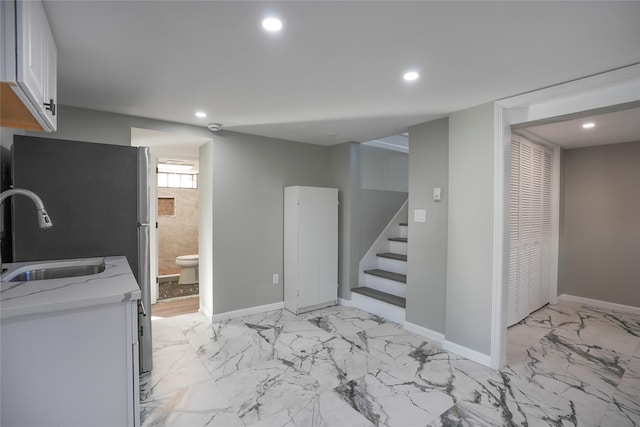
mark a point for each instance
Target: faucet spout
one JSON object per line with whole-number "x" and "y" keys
{"x": 44, "y": 221}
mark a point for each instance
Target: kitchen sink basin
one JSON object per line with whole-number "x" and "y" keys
{"x": 55, "y": 270}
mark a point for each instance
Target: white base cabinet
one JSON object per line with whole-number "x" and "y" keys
{"x": 310, "y": 248}
{"x": 72, "y": 368}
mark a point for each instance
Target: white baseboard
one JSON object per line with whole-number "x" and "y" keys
{"x": 344, "y": 302}
{"x": 424, "y": 332}
{"x": 206, "y": 313}
{"x": 601, "y": 304}
{"x": 246, "y": 311}
{"x": 483, "y": 359}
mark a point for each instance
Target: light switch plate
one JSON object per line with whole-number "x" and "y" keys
{"x": 437, "y": 193}
{"x": 419, "y": 215}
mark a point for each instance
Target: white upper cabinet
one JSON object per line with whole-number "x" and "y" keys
{"x": 30, "y": 60}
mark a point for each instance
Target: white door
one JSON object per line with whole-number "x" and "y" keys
{"x": 530, "y": 229}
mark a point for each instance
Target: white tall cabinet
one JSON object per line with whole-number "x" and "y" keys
{"x": 310, "y": 248}
{"x": 529, "y": 229}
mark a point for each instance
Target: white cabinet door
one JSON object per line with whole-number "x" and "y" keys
{"x": 31, "y": 48}
{"x": 51, "y": 81}
{"x": 36, "y": 62}
{"x": 310, "y": 248}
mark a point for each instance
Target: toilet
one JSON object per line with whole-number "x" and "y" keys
{"x": 188, "y": 269}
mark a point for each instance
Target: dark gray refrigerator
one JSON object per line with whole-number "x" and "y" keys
{"x": 97, "y": 196}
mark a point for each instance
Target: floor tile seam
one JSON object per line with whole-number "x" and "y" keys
{"x": 172, "y": 393}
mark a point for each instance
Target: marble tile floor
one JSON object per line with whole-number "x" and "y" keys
{"x": 567, "y": 365}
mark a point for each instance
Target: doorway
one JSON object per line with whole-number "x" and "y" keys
{"x": 614, "y": 90}
{"x": 167, "y": 147}
{"x": 177, "y": 228}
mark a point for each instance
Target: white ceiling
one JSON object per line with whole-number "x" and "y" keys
{"x": 610, "y": 128}
{"x": 334, "y": 73}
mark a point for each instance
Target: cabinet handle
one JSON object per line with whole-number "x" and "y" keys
{"x": 51, "y": 106}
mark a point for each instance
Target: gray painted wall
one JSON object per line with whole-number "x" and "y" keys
{"x": 382, "y": 169}
{"x": 344, "y": 163}
{"x": 249, "y": 176}
{"x": 427, "y": 260}
{"x": 470, "y": 239}
{"x": 600, "y": 241}
{"x": 377, "y": 208}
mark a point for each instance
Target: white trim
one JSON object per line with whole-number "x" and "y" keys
{"x": 345, "y": 302}
{"x": 424, "y": 332}
{"x": 588, "y": 87}
{"x": 386, "y": 146}
{"x": 502, "y": 140}
{"x": 600, "y": 304}
{"x": 245, "y": 311}
{"x": 467, "y": 353}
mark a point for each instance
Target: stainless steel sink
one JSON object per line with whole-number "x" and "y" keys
{"x": 55, "y": 270}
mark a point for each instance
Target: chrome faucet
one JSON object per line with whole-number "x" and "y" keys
{"x": 43, "y": 217}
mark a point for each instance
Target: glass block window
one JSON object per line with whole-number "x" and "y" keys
{"x": 177, "y": 180}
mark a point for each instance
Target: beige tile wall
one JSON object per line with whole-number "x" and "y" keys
{"x": 177, "y": 235}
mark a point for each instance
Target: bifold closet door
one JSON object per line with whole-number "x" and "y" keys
{"x": 530, "y": 229}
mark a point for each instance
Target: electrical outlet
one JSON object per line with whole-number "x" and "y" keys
{"x": 276, "y": 279}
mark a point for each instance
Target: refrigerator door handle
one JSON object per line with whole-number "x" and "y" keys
{"x": 141, "y": 309}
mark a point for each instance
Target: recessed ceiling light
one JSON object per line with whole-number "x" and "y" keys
{"x": 272, "y": 24}
{"x": 201, "y": 114}
{"x": 410, "y": 76}
{"x": 589, "y": 125}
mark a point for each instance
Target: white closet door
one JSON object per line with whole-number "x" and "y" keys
{"x": 530, "y": 229}
{"x": 546, "y": 231}
{"x": 514, "y": 234}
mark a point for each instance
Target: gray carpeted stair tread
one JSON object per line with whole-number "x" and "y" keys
{"x": 387, "y": 275}
{"x": 381, "y": 296}
{"x": 398, "y": 239}
{"x": 391, "y": 255}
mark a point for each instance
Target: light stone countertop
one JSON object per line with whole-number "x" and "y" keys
{"x": 115, "y": 284}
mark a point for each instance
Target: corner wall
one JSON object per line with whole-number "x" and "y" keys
{"x": 600, "y": 243}
{"x": 344, "y": 173}
{"x": 471, "y": 227}
{"x": 427, "y": 260}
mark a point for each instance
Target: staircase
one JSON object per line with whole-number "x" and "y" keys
{"x": 383, "y": 273}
